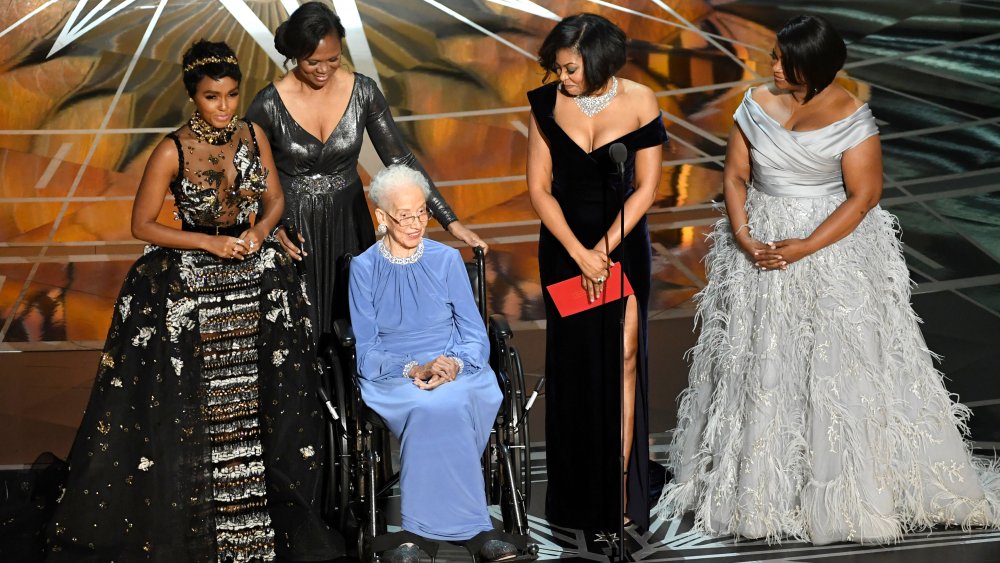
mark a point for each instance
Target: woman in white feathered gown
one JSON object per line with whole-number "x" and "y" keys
{"x": 813, "y": 409}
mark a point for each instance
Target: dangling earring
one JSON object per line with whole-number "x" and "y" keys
{"x": 382, "y": 229}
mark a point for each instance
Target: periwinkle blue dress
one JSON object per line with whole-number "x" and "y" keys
{"x": 414, "y": 310}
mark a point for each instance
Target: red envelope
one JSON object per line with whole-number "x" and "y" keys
{"x": 570, "y": 297}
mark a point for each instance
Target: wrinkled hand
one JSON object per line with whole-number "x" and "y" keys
{"x": 433, "y": 382}
{"x": 227, "y": 247}
{"x": 444, "y": 367}
{"x": 296, "y": 252}
{"x": 782, "y": 253}
{"x": 435, "y": 373}
{"x": 467, "y": 235}
{"x": 252, "y": 239}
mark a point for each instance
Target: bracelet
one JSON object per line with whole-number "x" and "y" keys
{"x": 408, "y": 368}
{"x": 461, "y": 364}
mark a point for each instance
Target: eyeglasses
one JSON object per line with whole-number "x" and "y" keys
{"x": 407, "y": 219}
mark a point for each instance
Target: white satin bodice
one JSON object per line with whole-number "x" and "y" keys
{"x": 800, "y": 163}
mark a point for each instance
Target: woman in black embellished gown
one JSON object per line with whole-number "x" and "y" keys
{"x": 316, "y": 116}
{"x": 575, "y": 190}
{"x": 202, "y": 440}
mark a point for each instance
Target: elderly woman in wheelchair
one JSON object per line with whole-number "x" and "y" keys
{"x": 423, "y": 361}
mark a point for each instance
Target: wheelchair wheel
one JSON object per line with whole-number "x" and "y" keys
{"x": 521, "y": 440}
{"x": 371, "y": 507}
{"x": 341, "y": 446}
{"x": 512, "y": 461}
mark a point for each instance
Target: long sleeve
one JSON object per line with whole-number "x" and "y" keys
{"x": 392, "y": 149}
{"x": 471, "y": 343}
{"x": 375, "y": 363}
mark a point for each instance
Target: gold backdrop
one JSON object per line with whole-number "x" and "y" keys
{"x": 88, "y": 90}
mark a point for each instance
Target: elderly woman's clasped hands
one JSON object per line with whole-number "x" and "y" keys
{"x": 434, "y": 373}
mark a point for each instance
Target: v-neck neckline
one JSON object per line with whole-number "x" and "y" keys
{"x": 596, "y": 149}
{"x": 354, "y": 87}
{"x": 593, "y": 151}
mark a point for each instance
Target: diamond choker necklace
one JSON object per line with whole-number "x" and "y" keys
{"x": 211, "y": 135}
{"x": 592, "y": 105}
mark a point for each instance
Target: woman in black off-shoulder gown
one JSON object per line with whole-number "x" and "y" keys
{"x": 577, "y": 193}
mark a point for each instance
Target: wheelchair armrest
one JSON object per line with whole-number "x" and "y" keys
{"x": 500, "y": 325}
{"x": 344, "y": 333}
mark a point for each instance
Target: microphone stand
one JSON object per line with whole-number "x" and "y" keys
{"x": 619, "y": 153}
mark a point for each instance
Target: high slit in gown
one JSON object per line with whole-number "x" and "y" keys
{"x": 582, "y": 359}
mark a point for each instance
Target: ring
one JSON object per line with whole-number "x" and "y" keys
{"x": 600, "y": 279}
{"x": 251, "y": 245}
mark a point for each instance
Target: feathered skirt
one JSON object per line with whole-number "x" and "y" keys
{"x": 814, "y": 410}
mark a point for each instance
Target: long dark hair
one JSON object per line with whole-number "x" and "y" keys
{"x": 298, "y": 36}
{"x": 212, "y": 59}
{"x": 812, "y": 52}
{"x": 601, "y": 44}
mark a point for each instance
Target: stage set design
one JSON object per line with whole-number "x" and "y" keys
{"x": 89, "y": 87}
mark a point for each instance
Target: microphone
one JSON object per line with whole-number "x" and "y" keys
{"x": 618, "y": 154}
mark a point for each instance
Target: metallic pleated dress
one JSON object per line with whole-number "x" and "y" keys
{"x": 324, "y": 197}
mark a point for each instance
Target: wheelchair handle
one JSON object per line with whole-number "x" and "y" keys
{"x": 329, "y": 405}
{"x": 530, "y": 402}
{"x": 534, "y": 395}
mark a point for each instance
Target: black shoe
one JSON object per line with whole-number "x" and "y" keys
{"x": 406, "y": 553}
{"x": 493, "y": 546}
{"x": 497, "y": 550}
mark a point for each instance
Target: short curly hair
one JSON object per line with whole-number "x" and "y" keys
{"x": 217, "y": 69}
{"x": 398, "y": 175}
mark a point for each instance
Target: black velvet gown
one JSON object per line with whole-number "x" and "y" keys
{"x": 582, "y": 358}
{"x": 203, "y": 439}
{"x": 324, "y": 198}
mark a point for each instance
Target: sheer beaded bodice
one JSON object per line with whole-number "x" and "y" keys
{"x": 218, "y": 185}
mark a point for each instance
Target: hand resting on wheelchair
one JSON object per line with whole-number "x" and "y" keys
{"x": 423, "y": 360}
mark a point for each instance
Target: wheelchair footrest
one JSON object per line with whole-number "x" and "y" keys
{"x": 526, "y": 550}
{"x": 387, "y": 542}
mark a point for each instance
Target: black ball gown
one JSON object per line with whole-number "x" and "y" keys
{"x": 203, "y": 440}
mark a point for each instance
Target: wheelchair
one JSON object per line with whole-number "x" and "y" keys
{"x": 360, "y": 453}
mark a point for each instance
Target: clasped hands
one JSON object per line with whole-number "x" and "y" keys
{"x": 595, "y": 267}
{"x": 236, "y": 248}
{"x": 434, "y": 373}
{"x": 775, "y": 255}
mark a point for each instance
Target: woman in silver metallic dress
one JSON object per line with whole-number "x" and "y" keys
{"x": 315, "y": 117}
{"x": 814, "y": 410}
{"x": 202, "y": 440}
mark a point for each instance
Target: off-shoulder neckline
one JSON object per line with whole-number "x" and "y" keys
{"x": 749, "y": 96}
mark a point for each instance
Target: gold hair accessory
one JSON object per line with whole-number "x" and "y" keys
{"x": 209, "y": 60}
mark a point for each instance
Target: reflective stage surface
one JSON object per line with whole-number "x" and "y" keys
{"x": 88, "y": 88}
